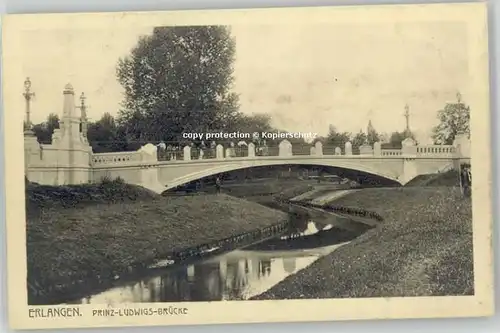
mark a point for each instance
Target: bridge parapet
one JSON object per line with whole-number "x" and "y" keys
{"x": 103, "y": 159}
{"x": 391, "y": 152}
{"x": 285, "y": 149}
{"x": 436, "y": 150}
{"x": 147, "y": 154}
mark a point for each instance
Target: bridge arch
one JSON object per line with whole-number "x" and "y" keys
{"x": 342, "y": 167}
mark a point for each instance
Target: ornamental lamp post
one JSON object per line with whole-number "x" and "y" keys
{"x": 28, "y": 95}
{"x": 28, "y": 132}
{"x": 83, "y": 115}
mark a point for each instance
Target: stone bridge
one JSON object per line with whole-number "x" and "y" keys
{"x": 70, "y": 160}
{"x": 398, "y": 166}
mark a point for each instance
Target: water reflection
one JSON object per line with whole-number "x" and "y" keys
{"x": 305, "y": 228}
{"x": 237, "y": 275}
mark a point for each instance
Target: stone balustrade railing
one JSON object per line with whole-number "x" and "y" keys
{"x": 284, "y": 149}
{"x": 391, "y": 152}
{"x": 115, "y": 158}
{"x": 435, "y": 150}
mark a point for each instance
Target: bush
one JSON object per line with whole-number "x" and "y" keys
{"x": 107, "y": 180}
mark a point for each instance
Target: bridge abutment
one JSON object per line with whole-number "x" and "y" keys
{"x": 409, "y": 154}
{"x": 67, "y": 161}
{"x": 410, "y": 170}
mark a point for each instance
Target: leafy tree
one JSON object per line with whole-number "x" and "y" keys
{"x": 359, "y": 139}
{"x": 105, "y": 136}
{"x": 396, "y": 139}
{"x": 371, "y": 134}
{"x": 177, "y": 80}
{"x": 44, "y": 130}
{"x": 337, "y": 139}
{"x": 257, "y": 122}
{"x": 453, "y": 119}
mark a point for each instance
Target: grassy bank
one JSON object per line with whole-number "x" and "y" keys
{"x": 423, "y": 248}
{"x": 448, "y": 178}
{"x": 106, "y": 192}
{"x": 269, "y": 193}
{"x": 81, "y": 233}
{"x": 270, "y": 188}
{"x": 281, "y": 188}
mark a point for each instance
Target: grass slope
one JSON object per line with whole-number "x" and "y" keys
{"x": 270, "y": 187}
{"x": 448, "y": 178}
{"x": 115, "y": 191}
{"x": 81, "y": 232}
{"x": 424, "y": 248}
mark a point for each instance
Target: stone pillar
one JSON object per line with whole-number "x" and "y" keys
{"x": 338, "y": 151}
{"x": 229, "y": 153}
{"x": 187, "y": 153}
{"x": 319, "y": 148}
{"x": 219, "y": 152}
{"x": 409, "y": 170}
{"x": 32, "y": 148}
{"x": 409, "y": 147}
{"x": 32, "y": 155}
{"x": 348, "y": 148}
{"x": 149, "y": 171}
{"x": 285, "y": 148}
{"x": 312, "y": 151}
{"x": 365, "y": 149}
{"x": 462, "y": 146}
{"x": 149, "y": 153}
{"x": 70, "y": 119}
{"x": 409, "y": 151}
{"x": 251, "y": 149}
{"x": 377, "y": 149}
{"x": 462, "y": 153}
{"x": 73, "y": 153}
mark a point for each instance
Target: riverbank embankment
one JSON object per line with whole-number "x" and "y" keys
{"x": 77, "y": 234}
{"x": 423, "y": 248}
{"x": 270, "y": 192}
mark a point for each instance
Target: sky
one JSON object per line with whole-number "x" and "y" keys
{"x": 305, "y": 74}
